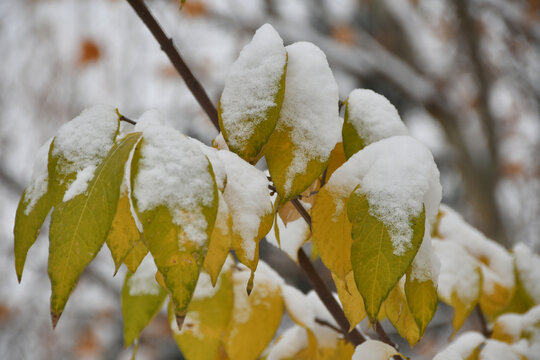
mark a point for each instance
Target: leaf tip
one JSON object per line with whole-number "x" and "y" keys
{"x": 180, "y": 321}
{"x": 54, "y": 319}
{"x": 249, "y": 286}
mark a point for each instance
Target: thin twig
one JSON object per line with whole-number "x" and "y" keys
{"x": 123, "y": 118}
{"x": 329, "y": 325}
{"x": 483, "y": 324}
{"x": 168, "y": 48}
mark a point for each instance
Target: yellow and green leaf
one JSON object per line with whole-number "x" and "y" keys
{"x": 28, "y": 221}
{"x": 398, "y": 311}
{"x": 422, "y": 299}
{"x": 375, "y": 264}
{"x": 142, "y": 299}
{"x": 135, "y": 255}
{"x": 352, "y": 142}
{"x": 204, "y": 328}
{"x": 350, "y": 298}
{"x": 80, "y": 226}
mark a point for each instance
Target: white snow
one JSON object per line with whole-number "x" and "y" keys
{"x": 40, "y": 178}
{"x": 82, "y": 143}
{"x": 174, "y": 172}
{"x": 79, "y": 185}
{"x": 217, "y": 164}
{"x": 247, "y": 196}
{"x": 497, "y": 350}
{"x": 191, "y": 325}
{"x": 292, "y": 236}
{"x": 252, "y": 85}
{"x": 309, "y": 112}
{"x": 459, "y": 272}
{"x": 373, "y": 350}
{"x": 426, "y": 265}
{"x": 462, "y": 347}
{"x": 373, "y": 117}
{"x": 528, "y": 266}
{"x": 499, "y": 267}
{"x": 398, "y": 176}
{"x": 143, "y": 281}
{"x": 291, "y": 342}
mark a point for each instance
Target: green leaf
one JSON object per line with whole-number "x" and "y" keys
{"x": 80, "y": 226}
{"x": 376, "y": 266}
{"x": 308, "y": 126}
{"x": 177, "y": 208}
{"x": 208, "y": 315}
{"x": 123, "y": 233}
{"x": 352, "y": 142}
{"x": 254, "y": 89}
{"x": 422, "y": 299}
{"x": 32, "y": 210}
{"x": 142, "y": 298}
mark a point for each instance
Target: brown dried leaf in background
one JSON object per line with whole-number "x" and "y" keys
{"x": 89, "y": 52}
{"x": 193, "y": 8}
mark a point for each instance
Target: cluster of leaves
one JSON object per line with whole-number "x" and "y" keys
{"x": 171, "y": 209}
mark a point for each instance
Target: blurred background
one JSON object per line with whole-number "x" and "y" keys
{"x": 464, "y": 75}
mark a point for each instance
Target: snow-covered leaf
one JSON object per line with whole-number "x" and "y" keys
{"x": 250, "y": 206}
{"x": 460, "y": 280}
{"x": 369, "y": 117}
{"x": 465, "y": 347}
{"x": 176, "y": 199}
{"x": 308, "y": 125}
{"x": 528, "y": 271}
{"x": 80, "y": 224}
{"x": 255, "y": 317}
{"x": 254, "y": 89}
{"x": 374, "y": 350}
{"x": 142, "y": 298}
{"x": 33, "y": 208}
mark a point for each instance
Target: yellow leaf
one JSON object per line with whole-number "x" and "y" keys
{"x": 79, "y": 226}
{"x": 177, "y": 207}
{"x": 308, "y": 125}
{"x": 398, "y": 311}
{"x": 220, "y": 241}
{"x": 422, "y": 299}
{"x": 135, "y": 255}
{"x": 255, "y": 317}
{"x": 203, "y": 332}
{"x": 142, "y": 298}
{"x": 350, "y": 298}
{"x": 32, "y": 210}
{"x": 254, "y": 89}
{"x": 337, "y": 158}
{"x": 123, "y": 233}
{"x": 376, "y": 266}
{"x": 332, "y": 232}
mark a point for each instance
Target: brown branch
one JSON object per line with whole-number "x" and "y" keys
{"x": 172, "y": 53}
{"x": 329, "y": 325}
{"x": 483, "y": 324}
